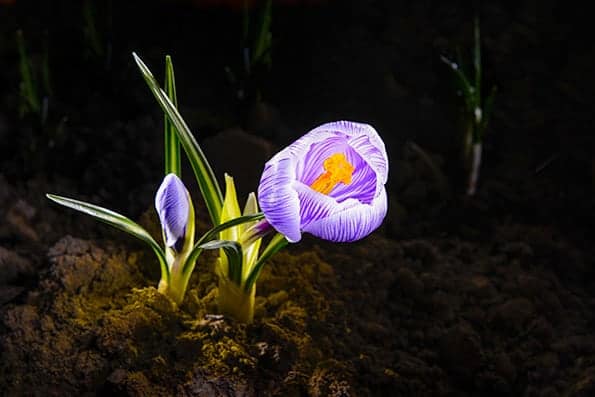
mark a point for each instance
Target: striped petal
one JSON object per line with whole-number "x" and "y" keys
{"x": 172, "y": 205}
{"x": 277, "y": 198}
{"x": 349, "y": 211}
{"x": 351, "y": 220}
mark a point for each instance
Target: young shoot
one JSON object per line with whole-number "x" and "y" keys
{"x": 257, "y": 41}
{"x": 259, "y": 51}
{"x": 30, "y": 86}
{"x": 476, "y": 114}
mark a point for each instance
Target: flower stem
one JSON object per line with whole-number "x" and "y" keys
{"x": 235, "y": 302}
{"x": 255, "y": 232}
{"x": 178, "y": 281}
{"x": 474, "y": 171}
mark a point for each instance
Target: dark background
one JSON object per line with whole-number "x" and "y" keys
{"x": 453, "y": 295}
{"x": 371, "y": 61}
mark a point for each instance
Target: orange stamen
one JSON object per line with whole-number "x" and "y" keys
{"x": 337, "y": 170}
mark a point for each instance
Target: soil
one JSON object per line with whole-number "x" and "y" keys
{"x": 490, "y": 295}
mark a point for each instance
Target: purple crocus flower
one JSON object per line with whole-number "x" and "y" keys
{"x": 329, "y": 183}
{"x": 173, "y": 205}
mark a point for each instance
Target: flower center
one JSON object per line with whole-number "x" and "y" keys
{"x": 337, "y": 169}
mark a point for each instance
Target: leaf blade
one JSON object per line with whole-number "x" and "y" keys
{"x": 116, "y": 220}
{"x": 277, "y": 242}
{"x": 477, "y": 59}
{"x": 173, "y": 160}
{"x": 468, "y": 91}
{"x": 205, "y": 177}
{"x": 233, "y": 252}
{"x": 213, "y": 233}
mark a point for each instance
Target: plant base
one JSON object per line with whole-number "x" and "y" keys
{"x": 235, "y": 302}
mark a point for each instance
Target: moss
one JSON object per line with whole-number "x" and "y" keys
{"x": 330, "y": 378}
{"x": 329, "y": 320}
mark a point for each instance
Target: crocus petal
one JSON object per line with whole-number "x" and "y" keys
{"x": 313, "y": 205}
{"x": 171, "y": 203}
{"x": 278, "y": 200}
{"x": 363, "y": 184}
{"x": 349, "y": 211}
{"x": 352, "y": 221}
{"x": 310, "y": 166}
{"x": 371, "y": 148}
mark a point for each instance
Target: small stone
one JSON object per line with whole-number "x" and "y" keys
{"x": 421, "y": 250}
{"x": 460, "y": 351}
{"x": 117, "y": 376}
{"x": 13, "y": 266}
{"x": 475, "y": 315}
{"x": 8, "y": 293}
{"x": 518, "y": 250}
{"x": 325, "y": 269}
{"x": 442, "y": 304}
{"x": 20, "y": 217}
{"x": 531, "y": 286}
{"x": 412, "y": 365}
{"x": 276, "y": 299}
{"x": 514, "y": 313}
{"x": 409, "y": 283}
{"x": 481, "y": 287}
{"x": 584, "y": 385}
{"x": 504, "y": 367}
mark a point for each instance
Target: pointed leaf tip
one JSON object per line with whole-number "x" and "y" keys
{"x": 116, "y": 220}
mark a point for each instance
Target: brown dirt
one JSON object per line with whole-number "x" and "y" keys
{"x": 417, "y": 317}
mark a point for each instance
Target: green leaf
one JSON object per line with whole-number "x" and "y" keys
{"x": 251, "y": 251}
{"x": 233, "y": 252}
{"x": 262, "y": 45}
{"x": 477, "y": 59}
{"x": 45, "y": 66}
{"x": 118, "y": 221}
{"x": 245, "y": 23}
{"x": 205, "y": 177}
{"x": 92, "y": 38}
{"x": 277, "y": 242}
{"x": 463, "y": 82}
{"x": 230, "y": 210}
{"x": 28, "y": 89}
{"x": 214, "y": 232}
{"x": 173, "y": 160}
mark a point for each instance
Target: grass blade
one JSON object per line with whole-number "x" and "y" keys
{"x": 28, "y": 90}
{"x": 118, "y": 221}
{"x": 277, "y": 242}
{"x": 205, "y": 177}
{"x": 214, "y": 233}
{"x": 262, "y": 46}
{"x": 477, "y": 59}
{"x": 251, "y": 251}
{"x": 173, "y": 161}
{"x": 468, "y": 91}
{"x": 233, "y": 252}
{"x": 45, "y": 66}
{"x": 230, "y": 210}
